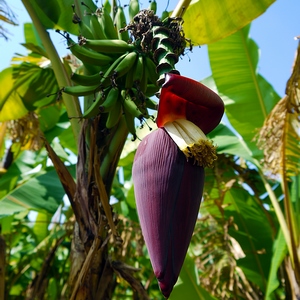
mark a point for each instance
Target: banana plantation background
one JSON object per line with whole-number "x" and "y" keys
{"x": 60, "y": 238}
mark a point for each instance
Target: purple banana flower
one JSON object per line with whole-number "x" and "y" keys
{"x": 168, "y": 191}
{"x": 168, "y": 180}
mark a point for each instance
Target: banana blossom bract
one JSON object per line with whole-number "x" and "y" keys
{"x": 168, "y": 181}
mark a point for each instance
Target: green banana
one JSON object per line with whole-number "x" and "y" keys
{"x": 106, "y": 80}
{"x": 110, "y": 100}
{"x": 125, "y": 65}
{"x": 129, "y": 119}
{"x": 107, "y": 5}
{"x": 151, "y": 90}
{"x": 151, "y": 70}
{"x": 134, "y": 8}
{"x": 120, "y": 21}
{"x": 93, "y": 110}
{"x": 143, "y": 81}
{"x": 140, "y": 102}
{"x": 107, "y": 46}
{"x": 107, "y": 23}
{"x": 129, "y": 106}
{"x": 87, "y": 55}
{"x": 81, "y": 90}
{"x": 165, "y": 14}
{"x": 96, "y": 28}
{"x": 153, "y": 6}
{"x": 114, "y": 115}
{"x": 151, "y": 104}
{"x": 117, "y": 141}
{"x": 129, "y": 78}
{"x": 89, "y": 69}
{"x": 83, "y": 28}
{"x": 86, "y": 80}
{"x": 138, "y": 69}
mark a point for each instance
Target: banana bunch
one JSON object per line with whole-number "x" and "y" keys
{"x": 118, "y": 74}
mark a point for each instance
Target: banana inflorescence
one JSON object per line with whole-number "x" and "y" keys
{"x": 124, "y": 64}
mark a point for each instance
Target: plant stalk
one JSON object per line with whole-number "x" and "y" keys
{"x": 180, "y": 8}
{"x": 279, "y": 214}
{"x": 71, "y": 103}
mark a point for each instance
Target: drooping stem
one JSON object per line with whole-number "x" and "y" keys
{"x": 279, "y": 214}
{"x": 180, "y": 8}
{"x": 71, "y": 103}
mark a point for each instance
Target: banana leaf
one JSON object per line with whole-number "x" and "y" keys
{"x": 42, "y": 193}
{"x": 248, "y": 97}
{"x": 207, "y": 21}
{"x": 279, "y": 253}
{"x": 56, "y": 14}
{"x": 188, "y": 285}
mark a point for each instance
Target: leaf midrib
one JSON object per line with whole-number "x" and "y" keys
{"x": 253, "y": 73}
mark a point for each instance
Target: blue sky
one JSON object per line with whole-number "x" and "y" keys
{"x": 274, "y": 32}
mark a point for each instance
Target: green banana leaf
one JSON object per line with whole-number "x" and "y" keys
{"x": 25, "y": 88}
{"x": 188, "y": 286}
{"x": 279, "y": 253}
{"x": 254, "y": 234}
{"x": 56, "y": 14}
{"x": 42, "y": 193}
{"x": 33, "y": 43}
{"x": 41, "y": 225}
{"x": 248, "y": 97}
{"x": 206, "y": 21}
{"x": 31, "y": 36}
{"x": 227, "y": 142}
{"x": 49, "y": 116}
{"x": 11, "y": 104}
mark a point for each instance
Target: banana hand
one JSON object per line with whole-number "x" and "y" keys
{"x": 107, "y": 46}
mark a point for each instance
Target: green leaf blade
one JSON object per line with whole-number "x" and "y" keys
{"x": 217, "y": 19}
{"x": 248, "y": 97}
{"x": 188, "y": 286}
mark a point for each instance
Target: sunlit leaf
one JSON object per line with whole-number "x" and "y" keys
{"x": 49, "y": 116}
{"x": 34, "y": 84}
{"x": 40, "y": 227}
{"x": 227, "y": 142}
{"x": 6, "y": 224}
{"x": 254, "y": 234}
{"x": 31, "y": 36}
{"x": 37, "y": 53}
{"x": 279, "y": 252}
{"x": 248, "y": 96}
{"x": 25, "y": 88}
{"x": 207, "y": 21}
{"x": 35, "y": 49}
{"x": 188, "y": 286}
{"x": 11, "y": 105}
{"x": 58, "y": 14}
{"x": 42, "y": 193}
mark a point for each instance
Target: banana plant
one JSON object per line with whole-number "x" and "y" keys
{"x": 117, "y": 74}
